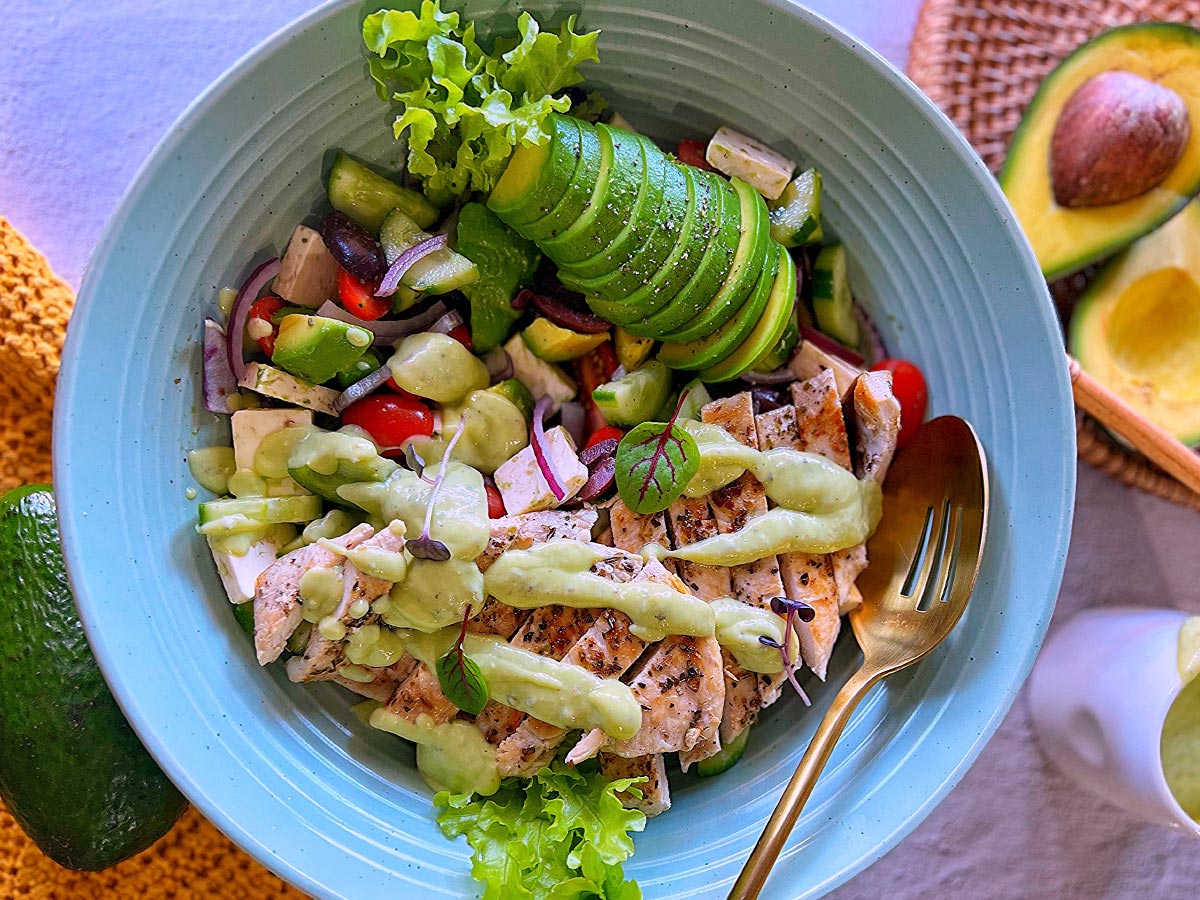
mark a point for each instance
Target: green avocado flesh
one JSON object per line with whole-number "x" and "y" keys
{"x": 72, "y": 772}
{"x": 531, "y": 185}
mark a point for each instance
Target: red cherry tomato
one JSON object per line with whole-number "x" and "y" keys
{"x": 908, "y": 384}
{"x": 603, "y": 434}
{"x": 390, "y": 420}
{"x": 264, "y": 308}
{"x": 463, "y": 335}
{"x": 495, "y": 502}
{"x": 593, "y": 369}
{"x": 392, "y": 386}
{"x": 358, "y": 297}
{"x": 691, "y": 151}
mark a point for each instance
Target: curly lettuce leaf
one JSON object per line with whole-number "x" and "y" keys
{"x": 561, "y": 835}
{"x": 466, "y": 109}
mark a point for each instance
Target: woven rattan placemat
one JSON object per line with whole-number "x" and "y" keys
{"x": 981, "y": 61}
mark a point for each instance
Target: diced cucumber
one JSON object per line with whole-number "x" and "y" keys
{"x": 368, "y": 197}
{"x": 514, "y": 390}
{"x": 796, "y": 215}
{"x": 539, "y": 376}
{"x": 435, "y": 273}
{"x": 697, "y": 398}
{"x": 243, "y": 514}
{"x": 725, "y": 758}
{"x": 833, "y": 305}
{"x": 244, "y": 613}
{"x": 632, "y": 350}
{"x": 554, "y": 343}
{"x": 636, "y": 396}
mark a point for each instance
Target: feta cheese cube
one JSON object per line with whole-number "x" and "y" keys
{"x": 239, "y": 573}
{"x": 524, "y": 487}
{"x": 308, "y": 273}
{"x": 539, "y": 376}
{"x": 739, "y": 156}
{"x": 272, "y": 382}
{"x": 250, "y": 426}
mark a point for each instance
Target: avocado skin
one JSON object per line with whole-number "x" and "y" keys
{"x": 72, "y": 771}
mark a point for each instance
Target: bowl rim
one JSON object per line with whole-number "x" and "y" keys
{"x": 227, "y": 822}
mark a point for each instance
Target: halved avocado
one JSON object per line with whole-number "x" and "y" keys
{"x": 1137, "y": 328}
{"x": 537, "y": 176}
{"x": 1067, "y": 239}
{"x": 578, "y": 192}
{"x": 771, "y": 326}
{"x": 715, "y": 346}
{"x": 618, "y": 187}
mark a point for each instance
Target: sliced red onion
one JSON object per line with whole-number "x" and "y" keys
{"x": 362, "y": 388}
{"x": 404, "y": 262}
{"x": 540, "y": 450}
{"x": 499, "y": 364}
{"x": 779, "y": 376}
{"x": 573, "y": 416}
{"x": 600, "y": 479}
{"x": 830, "y": 346}
{"x": 386, "y": 331}
{"x": 873, "y": 345}
{"x": 618, "y": 373}
{"x": 220, "y": 385}
{"x": 240, "y": 312}
{"x": 447, "y": 323}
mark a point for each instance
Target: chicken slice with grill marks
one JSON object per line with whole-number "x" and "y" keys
{"x": 523, "y": 531}
{"x": 278, "y": 607}
{"x": 756, "y": 583}
{"x": 655, "y": 793}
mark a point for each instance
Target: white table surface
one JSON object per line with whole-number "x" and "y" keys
{"x": 87, "y": 88}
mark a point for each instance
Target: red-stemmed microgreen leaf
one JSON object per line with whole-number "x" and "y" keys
{"x": 460, "y": 677}
{"x": 655, "y": 461}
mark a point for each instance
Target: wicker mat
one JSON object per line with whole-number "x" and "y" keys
{"x": 193, "y": 862}
{"x": 981, "y": 61}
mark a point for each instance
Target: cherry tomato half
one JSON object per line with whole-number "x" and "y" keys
{"x": 462, "y": 334}
{"x": 358, "y": 297}
{"x": 263, "y": 309}
{"x": 691, "y": 151}
{"x": 603, "y": 434}
{"x": 593, "y": 369}
{"x": 390, "y": 420}
{"x": 908, "y": 384}
{"x": 496, "y": 508}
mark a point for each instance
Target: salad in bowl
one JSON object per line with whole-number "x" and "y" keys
{"x": 559, "y": 451}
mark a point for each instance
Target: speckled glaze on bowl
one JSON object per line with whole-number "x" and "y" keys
{"x": 286, "y": 770}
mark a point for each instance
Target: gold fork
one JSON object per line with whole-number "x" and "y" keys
{"x": 924, "y": 559}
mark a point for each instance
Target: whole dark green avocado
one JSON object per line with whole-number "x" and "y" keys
{"x": 72, "y": 771}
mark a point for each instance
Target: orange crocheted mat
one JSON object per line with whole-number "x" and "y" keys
{"x": 195, "y": 861}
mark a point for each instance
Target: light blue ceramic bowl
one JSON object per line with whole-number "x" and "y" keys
{"x": 286, "y": 770}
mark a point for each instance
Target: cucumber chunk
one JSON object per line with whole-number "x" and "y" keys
{"x": 634, "y": 397}
{"x": 368, "y": 198}
{"x": 725, "y": 758}
{"x": 833, "y": 305}
{"x": 796, "y": 215}
{"x": 439, "y": 272}
{"x": 243, "y": 514}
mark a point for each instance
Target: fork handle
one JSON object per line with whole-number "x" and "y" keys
{"x": 796, "y": 794}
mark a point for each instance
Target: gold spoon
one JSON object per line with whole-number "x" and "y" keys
{"x": 924, "y": 559}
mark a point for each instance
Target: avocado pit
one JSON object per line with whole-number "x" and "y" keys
{"x": 1117, "y": 137}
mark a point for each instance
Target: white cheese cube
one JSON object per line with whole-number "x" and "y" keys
{"x": 524, "y": 487}
{"x": 272, "y": 382}
{"x": 739, "y": 156}
{"x": 539, "y": 376}
{"x": 810, "y": 360}
{"x": 250, "y": 426}
{"x": 239, "y": 573}
{"x": 308, "y": 273}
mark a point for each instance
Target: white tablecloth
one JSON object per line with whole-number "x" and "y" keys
{"x": 87, "y": 88}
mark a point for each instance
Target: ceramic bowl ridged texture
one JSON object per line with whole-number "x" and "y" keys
{"x": 286, "y": 770}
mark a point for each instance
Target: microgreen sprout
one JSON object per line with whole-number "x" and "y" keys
{"x": 425, "y": 547}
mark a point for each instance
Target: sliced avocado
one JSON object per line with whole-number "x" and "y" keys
{"x": 326, "y": 460}
{"x": 1067, "y": 239}
{"x": 72, "y": 772}
{"x": 514, "y": 390}
{"x": 506, "y": 263}
{"x": 316, "y": 348}
{"x": 717, "y": 345}
{"x": 782, "y": 351}
{"x": 631, "y": 237}
{"x": 615, "y": 195}
{"x": 631, "y": 349}
{"x": 438, "y": 272}
{"x": 1136, "y": 330}
{"x": 578, "y": 192}
{"x": 358, "y": 370}
{"x": 556, "y": 344}
{"x": 368, "y": 197}
{"x": 767, "y": 331}
{"x": 537, "y": 175}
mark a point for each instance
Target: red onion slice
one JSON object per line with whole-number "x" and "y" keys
{"x": 362, "y": 388}
{"x": 247, "y": 294}
{"x": 404, "y": 262}
{"x": 386, "y": 331}
{"x": 573, "y": 416}
{"x": 447, "y": 323}
{"x": 824, "y": 342}
{"x": 541, "y": 451}
{"x": 499, "y": 364}
{"x": 220, "y": 385}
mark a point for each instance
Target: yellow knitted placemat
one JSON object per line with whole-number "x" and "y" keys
{"x": 194, "y": 861}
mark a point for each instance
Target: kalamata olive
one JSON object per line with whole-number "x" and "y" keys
{"x": 593, "y": 454}
{"x": 765, "y": 399}
{"x": 600, "y": 479}
{"x": 353, "y": 247}
{"x": 563, "y": 313}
